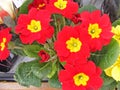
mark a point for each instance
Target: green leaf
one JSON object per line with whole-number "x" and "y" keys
{"x": 116, "y": 22}
{"x": 25, "y": 76}
{"x": 54, "y": 82}
{"x": 107, "y": 80}
{"x": 118, "y": 86}
{"x": 41, "y": 70}
{"x": 24, "y": 8}
{"x": 108, "y": 55}
{"x": 32, "y": 50}
{"x": 87, "y": 8}
{"x": 111, "y": 86}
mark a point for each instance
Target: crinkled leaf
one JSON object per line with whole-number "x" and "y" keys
{"x": 19, "y": 80}
{"x": 24, "y": 8}
{"x": 41, "y": 70}
{"x": 108, "y": 55}
{"x": 25, "y": 76}
{"x": 87, "y": 8}
{"x": 107, "y": 80}
{"x": 54, "y": 82}
{"x": 115, "y": 23}
{"x": 32, "y": 50}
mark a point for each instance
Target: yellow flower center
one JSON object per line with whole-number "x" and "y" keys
{"x": 81, "y": 79}
{"x": 73, "y": 44}
{"x": 34, "y": 26}
{"x": 60, "y": 4}
{"x": 2, "y": 44}
{"x": 94, "y": 30}
{"x": 40, "y": 6}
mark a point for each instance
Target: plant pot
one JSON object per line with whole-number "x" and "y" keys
{"x": 7, "y": 64}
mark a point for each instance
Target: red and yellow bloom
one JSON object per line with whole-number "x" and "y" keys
{"x": 38, "y": 4}
{"x": 70, "y": 45}
{"x": 97, "y": 28}
{"x": 65, "y": 7}
{"x": 84, "y": 76}
{"x": 5, "y": 37}
{"x": 34, "y": 26}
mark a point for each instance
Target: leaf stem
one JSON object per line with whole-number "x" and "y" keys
{"x": 94, "y": 54}
{"x": 16, "y": 47}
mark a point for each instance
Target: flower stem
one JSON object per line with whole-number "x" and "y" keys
{"x": 53, "y": 58}
{"x": 63, "y": 19}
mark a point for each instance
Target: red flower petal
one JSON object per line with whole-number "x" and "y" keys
{"x": 4, "y": 54}
{"x": 5, "y": 37}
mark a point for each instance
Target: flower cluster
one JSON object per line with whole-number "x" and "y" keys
{"x": 72, "y": 48}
